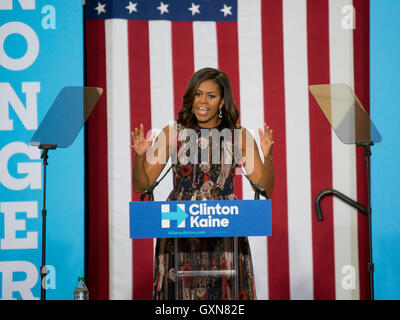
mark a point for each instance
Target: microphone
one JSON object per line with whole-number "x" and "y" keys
{"x": 150, "y": 189}
{"x": 258, "y": 189}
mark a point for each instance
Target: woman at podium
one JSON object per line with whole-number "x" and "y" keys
{"x": 206, "y": 145}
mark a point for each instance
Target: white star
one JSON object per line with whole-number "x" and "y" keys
{"x": 194, "y": 9}
{"x": 132, "y": 7}
{"x": 226, "y": 10}
{"x": 101, "y": 8}
{"x": 163, "y": 8}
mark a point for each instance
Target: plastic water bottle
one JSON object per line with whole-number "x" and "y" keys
{"x": 81, "y": 292}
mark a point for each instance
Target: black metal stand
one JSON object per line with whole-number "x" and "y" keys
{"x": 258, "y": 190}
{"x": 364, "y": 209}
{"x": 149, "y": 191}
{"x": 43, "y": 270}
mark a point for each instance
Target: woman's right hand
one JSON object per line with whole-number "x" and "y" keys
{"x": 139, "y": 142}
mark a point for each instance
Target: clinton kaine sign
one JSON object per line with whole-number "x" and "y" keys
{"x": 207, "y": 218}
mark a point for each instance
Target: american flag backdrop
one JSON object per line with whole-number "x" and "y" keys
{"x": 143, "y": 52}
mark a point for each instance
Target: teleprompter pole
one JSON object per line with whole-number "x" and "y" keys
{"x": 43, "y": 270}
{"x": 367, "y": 210}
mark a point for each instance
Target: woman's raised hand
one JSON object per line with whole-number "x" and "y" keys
{"x": 139, "y": 142}
{"x": 266, "y": 141}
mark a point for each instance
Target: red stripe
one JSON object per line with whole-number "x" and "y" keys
{"x": 361, "y": 87}
{"x": 183, "y": 58}
{"x": 139, "y": 75}
{"x": 320, "y": 150}
{"x": 228, "y": 62}
{"x": 97, "y": 166}
{"x": 274, "y": 112}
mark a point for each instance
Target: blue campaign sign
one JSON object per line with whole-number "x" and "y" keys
{"x": 207, "y": 218}
{"x": 41, "y": 52}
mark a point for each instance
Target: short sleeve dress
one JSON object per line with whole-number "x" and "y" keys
{"x": 203, "y": 178}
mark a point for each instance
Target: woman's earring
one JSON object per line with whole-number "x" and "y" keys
{"x": 220, "y": 113}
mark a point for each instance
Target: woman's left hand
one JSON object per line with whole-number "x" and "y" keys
{"x": 266, "y": 141}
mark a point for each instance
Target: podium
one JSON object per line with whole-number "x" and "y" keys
{"x": 189, "y": 223}
{"x": 222, "y": 276}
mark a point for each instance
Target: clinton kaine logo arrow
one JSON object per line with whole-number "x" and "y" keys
{"x": 179, "y": 216}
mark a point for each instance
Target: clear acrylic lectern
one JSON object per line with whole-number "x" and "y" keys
{"x": 193, "y": 280}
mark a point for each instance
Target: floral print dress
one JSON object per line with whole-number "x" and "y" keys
{"x": 198, "y": 180}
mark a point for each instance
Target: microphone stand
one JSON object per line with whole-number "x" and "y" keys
{"x": 150, "y": 189}
{"x": 258, "y": 190}
{"x": 43, "y": 271}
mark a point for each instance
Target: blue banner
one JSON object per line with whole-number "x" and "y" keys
{"x": 41, "y": 51}
{"x": 211, "y": 218}
{"x": 385, "y": 173}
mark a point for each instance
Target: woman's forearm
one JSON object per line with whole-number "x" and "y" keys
{"x": 140, "y": 179}
{"x": 267, "y": 177}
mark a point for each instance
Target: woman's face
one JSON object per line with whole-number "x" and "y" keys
{"x": 206, "y": 104}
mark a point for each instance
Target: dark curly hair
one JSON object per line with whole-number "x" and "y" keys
{"x": 230, "y": 113}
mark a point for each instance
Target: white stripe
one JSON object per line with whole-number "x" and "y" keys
{"x": 205, "y": 45}
{"x": 119, "y": 166}
{"x": 343, "y": 161}
{"x": 161, "y": 89}
{"x": 298, "y": 149}
{"x": 251, "y": 103}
